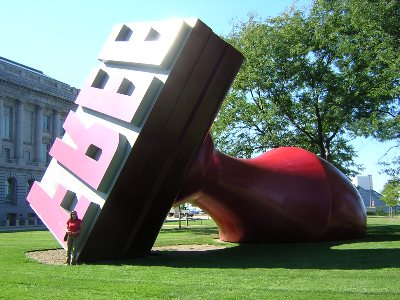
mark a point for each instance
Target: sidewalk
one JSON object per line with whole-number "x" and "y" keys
{"x": 194, "y": 218}
{"x": 43, "y": 227}
{"x": 22, "y": 228}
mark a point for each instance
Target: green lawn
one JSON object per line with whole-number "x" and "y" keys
{"x": 368, "y": 268}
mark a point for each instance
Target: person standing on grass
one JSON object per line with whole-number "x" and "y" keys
{"x": 73, "y": 230}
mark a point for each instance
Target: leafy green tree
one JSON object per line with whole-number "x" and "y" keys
{"x": 391, "y": 194}
{"x": 382, "y": 19}
{"x": 304, "y": 83}
{"x": 373, "y": 45}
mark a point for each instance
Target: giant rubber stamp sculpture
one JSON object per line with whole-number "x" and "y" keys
{"x": 138, "y": 143}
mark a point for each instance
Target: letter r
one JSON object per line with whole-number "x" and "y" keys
{"x": 97, "y": 153}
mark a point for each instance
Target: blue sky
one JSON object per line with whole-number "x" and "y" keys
{"x": 63, "y": 38}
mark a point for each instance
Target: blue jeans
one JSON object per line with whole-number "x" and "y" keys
{"x": 71, "y": 249}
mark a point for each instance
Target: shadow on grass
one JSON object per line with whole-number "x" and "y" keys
{"x": 354, "y": 255}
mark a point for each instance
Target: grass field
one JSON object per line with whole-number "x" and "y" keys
{"x": 368, "y": 268}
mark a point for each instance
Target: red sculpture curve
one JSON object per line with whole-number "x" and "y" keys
{"x": 286, "y": 194}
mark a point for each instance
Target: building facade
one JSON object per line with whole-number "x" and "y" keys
{"x": 33, "y": 108}
{"x": 372, "y": 199}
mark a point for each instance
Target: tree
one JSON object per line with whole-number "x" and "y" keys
{"x": 303, "y": 83}
{"x": 380, "y": 20}
{"x": 373, "y": 45}
{"x": 391, "y": 194}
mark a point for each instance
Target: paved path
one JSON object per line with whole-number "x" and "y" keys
{"x": 21, "y": 228}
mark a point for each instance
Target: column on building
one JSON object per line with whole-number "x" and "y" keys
{"x": 1, "y": 127}
{"x": 38, "y": 134}
{"x": 56, "y": 124}
{"x": 19, "y": 139}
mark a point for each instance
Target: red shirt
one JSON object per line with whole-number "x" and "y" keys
{"x": 74, "y": 226}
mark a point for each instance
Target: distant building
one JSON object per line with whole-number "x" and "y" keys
{"x": 365, "y": 182}
{"x": 372, "y": 199}
{"x": 33, "y": 108}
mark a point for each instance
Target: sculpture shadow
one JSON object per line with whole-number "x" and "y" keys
{"x": 374, "y": 251}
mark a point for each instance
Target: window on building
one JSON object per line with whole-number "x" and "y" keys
{"x": 46, "y": 123}
{"x": 7, "y": 154}
{"x": 11, "y": 191}
{"x": 28, "y": 127}
{"x": 7, "y": 122}
{"x": 62, "y": 130}
{"x": 45, "y": 154}
{"x": 12, "y": 219}
{"x": 30, "y": 184}
{"x": 32, "y": 217}
{"x": 27, "y": 155}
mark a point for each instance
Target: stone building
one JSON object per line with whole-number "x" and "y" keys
{"x": 33, "y": 108}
